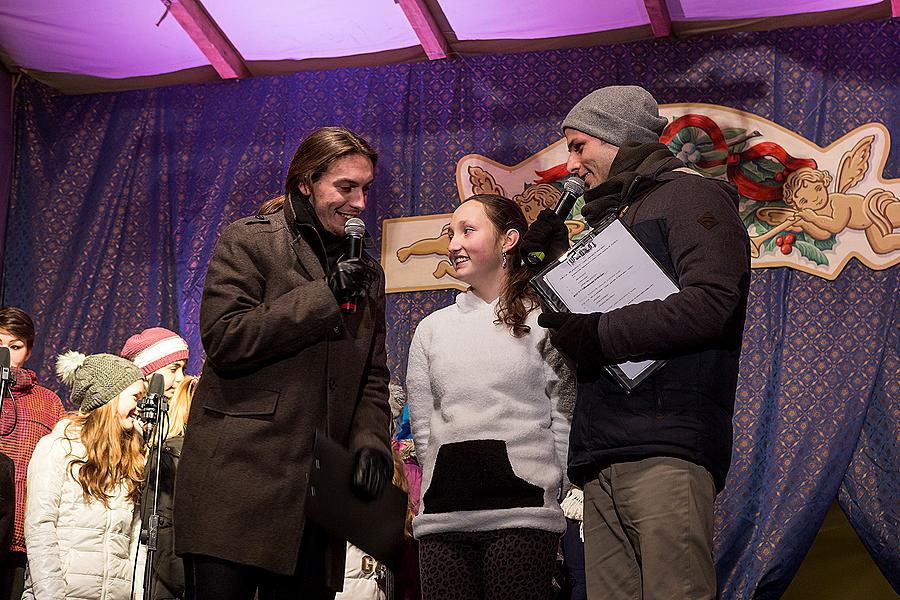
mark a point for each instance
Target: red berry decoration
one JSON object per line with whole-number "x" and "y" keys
{"x": 790, "y": 239}
{"x": 779, "y": 240}
{"x": 786, "y": 249}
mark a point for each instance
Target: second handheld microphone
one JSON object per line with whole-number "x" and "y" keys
{"x": 354, "y": 232}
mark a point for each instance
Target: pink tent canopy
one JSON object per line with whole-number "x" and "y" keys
{"x": 94, "y": 45}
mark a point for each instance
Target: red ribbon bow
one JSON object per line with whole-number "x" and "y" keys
{"x": 746, "y": 186}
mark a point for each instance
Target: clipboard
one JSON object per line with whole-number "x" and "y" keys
{"x": 375, "y": 526}
{"x": 607, "y": 269}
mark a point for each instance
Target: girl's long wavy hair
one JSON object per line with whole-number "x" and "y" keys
{"x": 517, "y": 299}
{"x": 180, "y": 406}
{"x": 113, "y": 455}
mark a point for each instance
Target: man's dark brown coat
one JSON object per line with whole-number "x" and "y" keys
{"x": 278, "y": 353}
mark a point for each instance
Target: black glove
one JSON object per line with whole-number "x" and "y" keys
{"x": 546, "y": 240}
{"x": 575, "y": 336}
{"x": 372, "y": 471}
{"x": 348, "y": 278}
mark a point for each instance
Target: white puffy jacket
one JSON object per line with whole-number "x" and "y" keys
{"x": 362, "y": 575}
{"x": 77, "y": 550}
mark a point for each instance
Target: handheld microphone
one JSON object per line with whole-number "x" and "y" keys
{"x": 354, "y": 231}
{"x": 573, "y": 188}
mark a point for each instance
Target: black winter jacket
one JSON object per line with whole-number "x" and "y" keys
{"x": 691, "y": 226}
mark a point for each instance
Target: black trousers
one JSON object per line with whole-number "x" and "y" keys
{"x": 12, "y": 576}
{"x": 507, "y": 564}
{"x": 210, "y": 578}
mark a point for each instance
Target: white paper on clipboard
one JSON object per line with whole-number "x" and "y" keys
{"x": 606, "y": 270}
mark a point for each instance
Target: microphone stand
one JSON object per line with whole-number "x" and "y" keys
{"x": 2, "y": 392}
{"x": 159, "y": 427}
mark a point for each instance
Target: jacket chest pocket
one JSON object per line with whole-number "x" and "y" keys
{"x": 241, "y": 401}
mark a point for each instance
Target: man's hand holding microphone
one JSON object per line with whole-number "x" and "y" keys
{"x": 350, "y": 276}
{"x": 575, "y": 335}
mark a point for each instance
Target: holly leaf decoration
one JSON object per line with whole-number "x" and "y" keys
{"x": 733, "y": 132}
{"x": 752, "y": 170}
{"x": 824, "y": 244}
{"x": 714, "y": 155}
{"x": 811, "y": 252}
{"x": 749, "y": 217}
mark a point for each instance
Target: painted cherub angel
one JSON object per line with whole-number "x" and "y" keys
{"x": 822, "y": 214}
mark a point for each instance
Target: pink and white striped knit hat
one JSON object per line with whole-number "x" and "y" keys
{"x": 154, "y": 348}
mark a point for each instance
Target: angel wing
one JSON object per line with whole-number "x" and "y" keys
{"x": 854, "y": 164}
{"x": 483, "y": 182}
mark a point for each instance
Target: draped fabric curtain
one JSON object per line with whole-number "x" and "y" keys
{"x": 118, "y": 200}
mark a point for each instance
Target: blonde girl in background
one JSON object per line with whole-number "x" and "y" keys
{"x": 82, "y": 525}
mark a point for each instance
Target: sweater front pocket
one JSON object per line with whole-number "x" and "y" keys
{"x": 477, "y": 475}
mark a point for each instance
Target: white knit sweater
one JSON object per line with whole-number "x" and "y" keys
{"x": 470, "y": 380}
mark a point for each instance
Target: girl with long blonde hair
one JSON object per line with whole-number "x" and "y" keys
{"x": 84, "y": 483}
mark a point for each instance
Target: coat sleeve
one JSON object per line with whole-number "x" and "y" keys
{"x": 560, "y": 391}
{"x": 418, "y": 393}
{"x": 46, "y": 475}
{"x": 239, "y": 328}
{"x": 372, "y": 418}
{"x": 713, "y": 271}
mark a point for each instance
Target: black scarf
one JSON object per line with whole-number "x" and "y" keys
{"x": 327, "y": 246}
{"x": 625, "y": 181}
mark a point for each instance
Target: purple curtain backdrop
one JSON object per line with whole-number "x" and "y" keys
{"x": 6, "y": 154}
{"x": 118, "y": 200}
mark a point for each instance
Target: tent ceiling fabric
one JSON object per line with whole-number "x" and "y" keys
{"x": 508, "y": 19}
{"x": 276, "y": 30}
{"x": 102, "y": 45}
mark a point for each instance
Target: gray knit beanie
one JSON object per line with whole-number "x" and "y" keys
{"x": 617, "y": 114}
{"x": 95, "y": 379}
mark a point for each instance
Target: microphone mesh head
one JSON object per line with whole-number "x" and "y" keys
{"x": 574, "y": 185}
{"x": 354, "y": 227}
{"x": 157, "y": 385}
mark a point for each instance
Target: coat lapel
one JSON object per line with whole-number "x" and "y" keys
{"x": 302, "y": 250}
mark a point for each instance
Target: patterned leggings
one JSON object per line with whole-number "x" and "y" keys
{"x": 509, "y": 564}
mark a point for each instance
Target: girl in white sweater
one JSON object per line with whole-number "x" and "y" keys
{"x": 84, "y": 480}
{"x": 486, "y": 401}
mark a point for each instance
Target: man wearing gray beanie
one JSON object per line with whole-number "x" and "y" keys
{"x": 651, "y": 460}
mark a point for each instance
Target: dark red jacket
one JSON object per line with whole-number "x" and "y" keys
{"x": 28, "y": 415}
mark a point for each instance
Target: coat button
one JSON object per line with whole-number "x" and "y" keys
{"x": 332, "y": 384}
{"x": 337, "y": 329}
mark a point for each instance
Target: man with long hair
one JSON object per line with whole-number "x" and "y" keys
{"x": 282, "y": 362}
